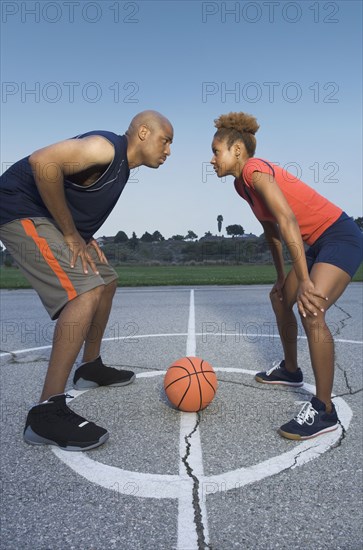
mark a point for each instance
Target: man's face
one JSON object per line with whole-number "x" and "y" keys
{"x": 224, "y": 159}
{"x": 157, "y": 145}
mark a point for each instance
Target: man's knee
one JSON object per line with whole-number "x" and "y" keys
{"x": 95, "y": 294}
{"x": 111, "y": 288}
{"x": 109, "y": 291}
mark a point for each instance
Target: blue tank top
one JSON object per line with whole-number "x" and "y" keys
{"x": 89, "y": 206}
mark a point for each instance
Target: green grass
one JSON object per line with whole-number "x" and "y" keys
{"x": 12, "y": 278}
{"x": 195, "y": 275}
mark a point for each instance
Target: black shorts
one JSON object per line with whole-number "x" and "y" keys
{"x": 340, "y": 245}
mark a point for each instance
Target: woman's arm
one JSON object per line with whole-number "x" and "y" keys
{"x": 273, "y": 238}
{"x": 274, "y": 199}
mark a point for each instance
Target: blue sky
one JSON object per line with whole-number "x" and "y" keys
{"x": 74, "y": 66}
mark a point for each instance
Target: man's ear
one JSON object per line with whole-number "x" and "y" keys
{"x": 143, "y": 132}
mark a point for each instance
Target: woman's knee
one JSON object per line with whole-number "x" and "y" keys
{"x": 314, "y": 325}
{"x": 279, "y": 306}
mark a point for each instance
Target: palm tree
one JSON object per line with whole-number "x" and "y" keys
{"x": 219, "y": 220}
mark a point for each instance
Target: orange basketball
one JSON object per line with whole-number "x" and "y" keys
{"x": 190, "y": 384}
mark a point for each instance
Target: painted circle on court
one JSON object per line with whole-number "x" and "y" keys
{"x": 173, "y": 486}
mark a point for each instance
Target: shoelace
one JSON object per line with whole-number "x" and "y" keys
{"x": 306, "y": 414}
{"x": 275, "y": 365}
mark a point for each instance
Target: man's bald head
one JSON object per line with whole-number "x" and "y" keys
{"x": 149, "y": 135}
{"x": 151, "y": 119}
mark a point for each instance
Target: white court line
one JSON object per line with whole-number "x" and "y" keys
{"x": 191, "y": 341}
{"x": 146, "y": 485}
{"x": 187, "y": 534}
{"x": 248, "y": 337}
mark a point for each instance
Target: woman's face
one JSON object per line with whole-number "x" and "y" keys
{"x": 226, "y": 161}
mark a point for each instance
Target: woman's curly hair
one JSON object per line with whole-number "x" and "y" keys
{"x": 237, "y": 127}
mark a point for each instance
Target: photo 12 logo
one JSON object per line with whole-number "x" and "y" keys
{"x": 34, "y": 333}
{"x": 69, "y": 92}
{"x": 270, "y": 12}
{"x": 70, "y": 12}
{"x": 270, "y": 92}
{"x": 316, "y": 172}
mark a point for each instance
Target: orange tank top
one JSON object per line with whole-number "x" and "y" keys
{"x": 313, "y": 212}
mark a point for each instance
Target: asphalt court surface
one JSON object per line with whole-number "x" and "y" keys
{"x": 249, "y": 488}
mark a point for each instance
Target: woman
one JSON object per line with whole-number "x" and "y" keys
{"x": 290, "y": 210}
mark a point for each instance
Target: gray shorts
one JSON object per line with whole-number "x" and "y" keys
{"x": 39, "y": 249}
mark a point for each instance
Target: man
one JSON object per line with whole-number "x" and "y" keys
{"x": 52, "y": 203}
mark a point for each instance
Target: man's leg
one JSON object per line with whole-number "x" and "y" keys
{"x": 93, "y": 373}
{"x": 69, "y": 335}
{"x": 98, "y": 324}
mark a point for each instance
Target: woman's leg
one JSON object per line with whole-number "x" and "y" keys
{"x": 286, "y": 320}
{"x": 331, "y": 281}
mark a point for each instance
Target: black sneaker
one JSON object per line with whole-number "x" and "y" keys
{"x": 53, "y": 423}
{"x": 312, "y": 420}
{"x": 279, "y": 375}
{"x": 95, "y": 374}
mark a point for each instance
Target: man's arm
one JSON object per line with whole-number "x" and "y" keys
{"x": 51, "y": 165}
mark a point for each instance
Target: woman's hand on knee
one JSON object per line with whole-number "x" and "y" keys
{"x": 309, "y": 298}
{"x": 276, "y": 291}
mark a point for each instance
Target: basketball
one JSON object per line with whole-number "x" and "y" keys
{"x": 190, "y": 384}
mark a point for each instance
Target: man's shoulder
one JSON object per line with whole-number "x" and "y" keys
{"x": 103, "y": 133}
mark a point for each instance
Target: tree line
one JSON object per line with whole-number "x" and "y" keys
{"x": 121, "y": 237}
{"x": 234, "y": 230}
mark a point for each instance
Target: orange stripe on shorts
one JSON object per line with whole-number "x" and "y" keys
{"x": 49, "y": 257}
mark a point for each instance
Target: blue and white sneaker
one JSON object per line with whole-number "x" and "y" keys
{"x": 279, "y": 375}
{"x": 312, "y": 420}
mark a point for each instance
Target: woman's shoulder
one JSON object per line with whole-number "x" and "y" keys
{"x": 257, "y": 165}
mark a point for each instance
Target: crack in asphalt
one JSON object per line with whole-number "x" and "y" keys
{"x": 343, "y": 324}
{"x": 342, "y": 321}
{"x": 353, "y": 392}
{"x": 349, "y": 387}
{"x": 298, "y": 455}
{"x": 341, "y": 438}
{"x": 334, "y": 446}
{"x": 198, "y": 519}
